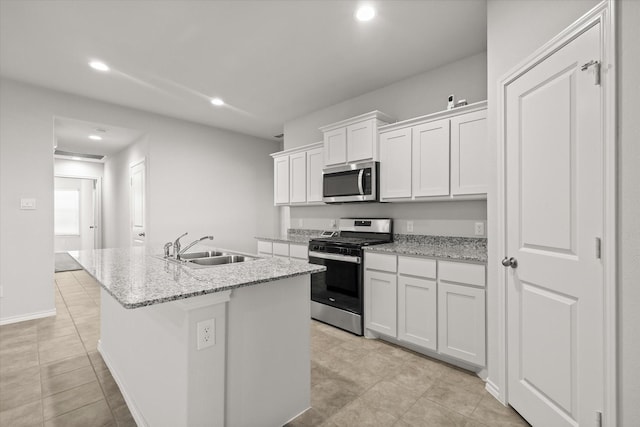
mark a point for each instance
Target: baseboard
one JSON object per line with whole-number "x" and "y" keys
{"x": 25, "y": 317}
{"x": 494, "y": 391}
{"x": 131, "y": 404}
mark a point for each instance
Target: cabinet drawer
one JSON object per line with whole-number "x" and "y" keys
{"x": 459, "y": 272}
{"x": 265, "y": 247}
{"x": 421, "y": 267}
{"x": 299, "y": 251}
{"x": 381, "y": 262}
{"x": 281, "y": 249}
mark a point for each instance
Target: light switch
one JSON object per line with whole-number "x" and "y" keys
{"x": 27, "y": 204}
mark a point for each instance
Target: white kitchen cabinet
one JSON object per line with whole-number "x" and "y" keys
{"x": 380, "y": 302}
{"x": 441, "y": 156}
{"x": 354, "y": 139}
{"x": 298, "y": 178}
{"x": 298, "y": 175}
{"x": 281, "y": 180}
{"x": 265, "y": 248}
{"x": 417, "y": 311}
{"x": 469, "y": 154}
{"x": 280, "y": 250}
{"x": 430, "y": 166}
{"x": 461, "y": 311}
{"x": 314, "y": 175}
{"x": 299, "y": 251}
{"x": 395, "y": 155}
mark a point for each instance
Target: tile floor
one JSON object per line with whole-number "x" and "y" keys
{"x": 52, "y": 375}
{"x": 50, "y": 371}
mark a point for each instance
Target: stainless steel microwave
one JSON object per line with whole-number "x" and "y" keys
{"x": 356, "y": 182}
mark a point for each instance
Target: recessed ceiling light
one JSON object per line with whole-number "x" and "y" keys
{"x": 95, "y": 137}
{"x": 98, "y": 65}
{"x": 365, "y": 13}
{"x": 217, "y": 102}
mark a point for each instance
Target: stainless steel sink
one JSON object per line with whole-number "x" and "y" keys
{"x": 217, "y": 260}
{"x": 207, "y": 254}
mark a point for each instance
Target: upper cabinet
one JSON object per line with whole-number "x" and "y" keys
{"x": 435, "y": 157}
{"x": 354, "y": 139}
{"x": 297, "y": 175}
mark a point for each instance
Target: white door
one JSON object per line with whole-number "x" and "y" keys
{"x": 554, "y": 204}
{"x": 138, "y": 203}
{"x": 417, "y": 311}
{"x": 380, "y": 302}
{"x": 75, "y": 209}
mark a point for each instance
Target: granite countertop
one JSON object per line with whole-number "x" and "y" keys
{"x": 135, "y": 277}
{"x": 444, "y": 247}
{"x": 293, "y": 236}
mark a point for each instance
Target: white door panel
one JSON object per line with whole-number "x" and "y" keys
{"x": 554, "y": 215}
{"x": 138, "y": 203}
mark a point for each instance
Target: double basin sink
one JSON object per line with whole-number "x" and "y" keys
{"x": 210, "y": 258}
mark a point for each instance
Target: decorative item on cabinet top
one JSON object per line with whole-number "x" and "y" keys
{"x": 440, "y": 156}
{"x": 297, "y": 175}
{"x": 353, "y": 140}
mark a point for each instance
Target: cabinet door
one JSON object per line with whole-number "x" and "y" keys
{"x": 395, "y": 164}
{"x": 298, "y": 251}
{"x": 461, "y": 322}
{"x": 335, "y": 147}
{"x": 417, "y": 315}
{"x": 360, "y": 140}
{"x": 298, "y": 178}
{"x": 380, "y": 300}
{"x": 431, "y": 159}
{"x": 281, "y": 180}
{"x": 314, "y": 175}
{"x": 280, "y": 250}
{"x": 265, "y": 248}
{"x": 469, "y": 154}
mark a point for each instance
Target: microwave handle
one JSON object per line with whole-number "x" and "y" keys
{"x": 360, "y": 176}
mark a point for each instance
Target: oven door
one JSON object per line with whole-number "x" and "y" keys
{"x": 340, "y": 285}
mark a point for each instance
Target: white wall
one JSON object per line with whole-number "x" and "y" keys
{"x": 77, "y": 168}
{"x": 201, "y": 179}
{"x": 515, "y": 30}
{"x": 416, "y": 96}
{"x": 629, "y": 210}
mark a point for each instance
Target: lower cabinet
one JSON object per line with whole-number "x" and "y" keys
{"x": 436, "y": 305}
{"x": 283, "y": 250}
{"x": 380, "y": 310}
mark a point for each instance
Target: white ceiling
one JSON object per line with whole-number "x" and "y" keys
{"x": 72, "y": 135}
{"x": 271, "y": 61}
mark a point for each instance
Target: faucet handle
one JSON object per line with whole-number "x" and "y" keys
{"x": 167, "y": 246}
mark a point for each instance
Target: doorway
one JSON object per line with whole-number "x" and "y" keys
{"x": 76, "y": 214}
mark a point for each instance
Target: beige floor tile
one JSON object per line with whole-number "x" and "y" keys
{"x": 56, "y": 331}
{"x": 360, "y": 414}
{"x": 391, "y": 397}
{"x": 426, "y": 413}
{"x": 462, "y": 378}
{"x": 66, "y": 401}
{"x": 90, "y": 342}
{"x": 18, "y": 395}
{"x": 413, "y": 378}
{"x": 64, "y": 365}
{"x": 456, "y": 398}
{"x": 96, "y": 361}
{"x": 329, "y": 396}
{"x": 28, "y": 415}
{"x": 16, "y": 340}
{"x": 311, "y": 418}
{"x": 16, "y": 361}
{"x": 96, "y": 414}
{"x": 491, "y": 412}
{"x": 21, "y": 348}
{"x": 18, "y": 329}
{"x": 67, "y": 381}
{"x": 60, "y": 348}
{"x": 19, "y": 377}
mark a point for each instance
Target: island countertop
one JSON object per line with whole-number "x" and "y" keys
{"x": 135, "y": 277}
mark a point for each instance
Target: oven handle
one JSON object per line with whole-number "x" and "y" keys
{"x": 343, "y": 258}
{"x": 360, "y": 183}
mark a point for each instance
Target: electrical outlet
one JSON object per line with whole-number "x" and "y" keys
{"x": 479, "y": 229}
{"x": 206, "y": 333}
{"x": 410, "y": 226}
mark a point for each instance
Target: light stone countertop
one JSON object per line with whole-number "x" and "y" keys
{"x": 442, "y": 247}
{"x": 135, "y": 277}
{"x": 293, "y": 235}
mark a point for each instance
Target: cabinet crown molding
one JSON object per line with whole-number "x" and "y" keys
{"x": 476, "y": 106}
{"x": 357, "y": 119}
{"x": 297, "y": 149}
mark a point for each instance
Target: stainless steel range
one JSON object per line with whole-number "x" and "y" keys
{"x": 337, "y": 293}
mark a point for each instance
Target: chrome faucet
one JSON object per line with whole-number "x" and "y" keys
{"x": 176, "y": 246}
{"x": 167, "y": 247}
{"x": 190, "y": 245}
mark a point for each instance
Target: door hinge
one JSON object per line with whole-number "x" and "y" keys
{"x": 596, "y": 70}
{"x": 598, "y": 419}
{"x": 598, "y": 248}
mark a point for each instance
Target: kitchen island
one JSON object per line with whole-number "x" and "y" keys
{"x": 226, "y": 345}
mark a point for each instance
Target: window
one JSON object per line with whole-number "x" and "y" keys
{"x": 67, "y": 212}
